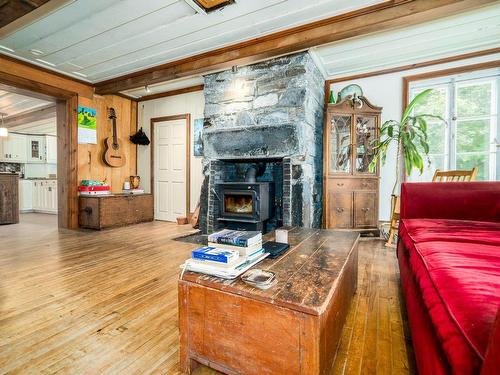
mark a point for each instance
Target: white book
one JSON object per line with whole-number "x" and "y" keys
{"x": 244, "y": 251}
{"x": 224, "y": 273}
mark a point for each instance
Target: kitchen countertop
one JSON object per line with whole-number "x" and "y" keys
{"x": 41, "y": 178}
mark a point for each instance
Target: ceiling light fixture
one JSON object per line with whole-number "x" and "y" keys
{"x": 4, "y": 132}
{"x": 36, "y": 52}
{"x": 147, "y": 89}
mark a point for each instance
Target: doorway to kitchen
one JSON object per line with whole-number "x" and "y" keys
{"x": 28, "y": 149}
{"x": 62, "y": 144}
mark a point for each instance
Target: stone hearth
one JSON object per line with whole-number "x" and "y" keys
{"x": 269, "y": 110}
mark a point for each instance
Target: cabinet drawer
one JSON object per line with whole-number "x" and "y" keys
{"x": 349, "y": 184}
{"x": 365, "y": 209}
{"x": 340, "y": 210}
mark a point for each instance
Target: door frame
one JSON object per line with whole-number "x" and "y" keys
{"x": 67, "y": 140}
{"x": 187, "y": 118}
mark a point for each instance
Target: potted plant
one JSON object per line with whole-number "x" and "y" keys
{"x": 410, "y": 135}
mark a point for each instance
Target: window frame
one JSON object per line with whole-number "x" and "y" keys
{"x": 451, "y": 80}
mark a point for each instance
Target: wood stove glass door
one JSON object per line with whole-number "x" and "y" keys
{"x": 239, "y": 204}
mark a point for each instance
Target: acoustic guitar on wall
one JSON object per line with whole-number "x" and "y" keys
{"x": 113, "y": 155}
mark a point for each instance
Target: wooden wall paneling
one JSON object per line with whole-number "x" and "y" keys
{"x": 384, "y": 16}
{"x": 91, "y": 165}
{"x": 67, "y": 162}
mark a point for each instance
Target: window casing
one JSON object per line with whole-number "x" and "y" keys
{"x": 470, "y": 105}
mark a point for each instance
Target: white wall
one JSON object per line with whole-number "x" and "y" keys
{"x": 192, "y": 103}
{"x": 387, "y": 91}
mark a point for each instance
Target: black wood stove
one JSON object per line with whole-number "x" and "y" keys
{"x": 246, "y": 205}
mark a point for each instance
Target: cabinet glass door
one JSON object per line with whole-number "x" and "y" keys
{"x": 365, "y": 134}
{"x": 35, "y": 149}
{"x": 340, "y": 144}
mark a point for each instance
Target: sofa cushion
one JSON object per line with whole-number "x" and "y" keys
{"x": 457, "y": 266}
{"x": 424, "y": 230}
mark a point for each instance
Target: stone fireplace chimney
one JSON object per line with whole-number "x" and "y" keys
{"x": 271, "y": 110}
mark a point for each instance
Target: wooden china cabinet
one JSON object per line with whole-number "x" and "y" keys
{"x": 350, "y": 190}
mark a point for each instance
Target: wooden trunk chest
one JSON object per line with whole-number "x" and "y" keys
{"x": 292, "y": 328}
{"x": 106, "y": 211}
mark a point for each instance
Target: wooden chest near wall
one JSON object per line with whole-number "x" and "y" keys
{"x": 9, "y": 198}
{"x": 106, "y": 211}
{"x": 351, "y": 191}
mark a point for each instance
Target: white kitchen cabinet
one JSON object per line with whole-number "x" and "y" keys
{"x": 45, "y": 196}
{"x": 25, "y": 195}
{"x": 51, "y": 149}
{"x": 14, "y": 148}
{"x": 35, "y": 149}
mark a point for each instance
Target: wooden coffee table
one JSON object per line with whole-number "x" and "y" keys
{"x": 292, "y": 328}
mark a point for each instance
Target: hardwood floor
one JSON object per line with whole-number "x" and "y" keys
{"x": 85, "y": 302}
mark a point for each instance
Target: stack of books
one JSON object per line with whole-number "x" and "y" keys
{"x": 94, "y": 190}
{"x": 229, "y": 253}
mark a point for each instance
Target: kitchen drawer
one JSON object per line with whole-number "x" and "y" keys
{"x": 350, "y": 184}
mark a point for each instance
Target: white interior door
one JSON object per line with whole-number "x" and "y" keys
{"x": 170, "y": 169}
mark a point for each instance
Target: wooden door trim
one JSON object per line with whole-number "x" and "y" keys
{"x": 187, "y": 118}
{"x": 67, "y": 140}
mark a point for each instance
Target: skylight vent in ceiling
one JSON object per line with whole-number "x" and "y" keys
{"x": 211, "y": 5}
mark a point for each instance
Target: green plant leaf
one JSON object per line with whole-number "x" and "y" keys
{"x": 416, "y": 100}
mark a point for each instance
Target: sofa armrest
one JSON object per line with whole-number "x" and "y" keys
{"x": 478, "y": 201}
{"x": 491, "y": 364}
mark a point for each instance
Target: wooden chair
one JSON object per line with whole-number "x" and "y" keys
{"x": 439, "y": 176}
{"x": 455, "y": 176}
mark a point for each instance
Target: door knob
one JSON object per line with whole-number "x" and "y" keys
{"x": 339, "y": 209}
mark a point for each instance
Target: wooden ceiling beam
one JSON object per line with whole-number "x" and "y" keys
{"x": 44, "y": 113}
{"x": 184, "y": 90}
{"x": 384, "y": 16}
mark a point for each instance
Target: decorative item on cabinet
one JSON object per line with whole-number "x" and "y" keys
{"x": 351, "y": 191}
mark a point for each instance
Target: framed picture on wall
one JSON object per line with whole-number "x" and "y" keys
{"x": 198, "y": 137}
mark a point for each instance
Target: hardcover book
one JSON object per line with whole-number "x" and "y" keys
{"x": 213, "y": 254}
{"x": 244, "y": 250}
{"x": 236, "y": 237}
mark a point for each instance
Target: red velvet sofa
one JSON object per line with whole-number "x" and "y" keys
{"x": 449, "y": 260}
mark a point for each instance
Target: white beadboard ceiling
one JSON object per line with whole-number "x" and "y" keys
{"x": 13, "y": 104}
{"x": 468, "y": 32}
{"x": 97, "y": 40}
{"x": 38, "y": 127}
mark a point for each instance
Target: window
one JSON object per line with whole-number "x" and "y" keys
{"x": 470, "y": 104}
